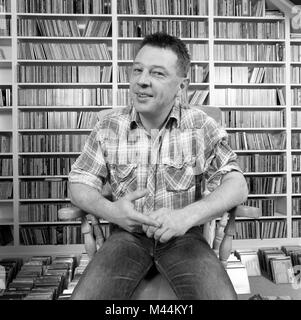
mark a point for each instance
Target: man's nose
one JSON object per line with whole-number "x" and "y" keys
{"x": 144, "y": 79}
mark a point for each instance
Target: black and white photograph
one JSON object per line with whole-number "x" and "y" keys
{"x": 150, "y": 152}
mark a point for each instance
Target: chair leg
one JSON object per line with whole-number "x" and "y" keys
{"x": 226, "y": 245}
{"x": 219, "y": 235}
{"x": 90, "y": 243}
{"x": 98, "y": 232}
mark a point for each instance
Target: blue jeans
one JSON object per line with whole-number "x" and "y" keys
{"x": 188, "y": 263}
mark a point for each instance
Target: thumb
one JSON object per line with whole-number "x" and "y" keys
{"x": 137, "y": 194}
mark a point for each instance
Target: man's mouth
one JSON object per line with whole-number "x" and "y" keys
{"x": 143, "y": 95}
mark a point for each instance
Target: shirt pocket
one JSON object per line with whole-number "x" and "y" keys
{"x": 123, "y": 179}
{"x": 179, "y": 176}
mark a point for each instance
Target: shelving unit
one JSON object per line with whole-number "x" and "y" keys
{"x": 6, "y": 130}
{"x": 276, "y": 209}
{"x": 54, "y": 70}
{"x": 295, "y": 132}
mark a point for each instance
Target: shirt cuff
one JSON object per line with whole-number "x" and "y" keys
{"x": 86, "y": 178}
{"x": 215, "y": 180}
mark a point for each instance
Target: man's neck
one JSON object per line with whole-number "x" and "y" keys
{"x": 155, "y": 124}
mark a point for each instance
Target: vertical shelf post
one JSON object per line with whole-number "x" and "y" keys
{"x": 288, "y": 129}
{"x": 114, "y": 52}
{"x": 211, "y": 52}
{"x": 15, "y": 143}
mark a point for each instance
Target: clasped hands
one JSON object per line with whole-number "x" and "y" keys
{"x": 162, "y": 224}
{"x": 171, "y": 224}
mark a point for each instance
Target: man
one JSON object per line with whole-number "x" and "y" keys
{"x": 155, "y": 155}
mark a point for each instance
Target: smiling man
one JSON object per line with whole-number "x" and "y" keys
{"x": 156, "y": 155}
{"x": 155, "y": 82}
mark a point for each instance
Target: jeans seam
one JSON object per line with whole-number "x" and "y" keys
{"x": 142, "y": 277}
{"x": 161, "y": 270}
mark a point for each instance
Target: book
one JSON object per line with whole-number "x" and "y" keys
{"x": 261, "y": 256}
{"x": 245, "y": 8}
{"x": 281, "y": 97}
{"x": 237, "y": 272}
{"x": 249, "y": 259}
{"x": 198, "y": 97}
{"x": 2, "y": 55}
{"x": 2, "y": 277}
{"x": 6, "y": 235}
{"x": 282, "y": 270}
{"x": 294, "y": 252}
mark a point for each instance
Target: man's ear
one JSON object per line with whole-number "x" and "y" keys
{"x": 184, "y": 84}
{"x": 183, "y": 87}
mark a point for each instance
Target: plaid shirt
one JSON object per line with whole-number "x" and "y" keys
{"x": 174, "y": 164}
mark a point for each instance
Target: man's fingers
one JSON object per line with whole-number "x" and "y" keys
{"x": 139, "y": 217}
{"x": 150, "y": 231}
{"x": 165, "y": 236}
{"x": 159, "y": 232}
{"x": 144, "y": 228}
{"x": 137, "y": 194}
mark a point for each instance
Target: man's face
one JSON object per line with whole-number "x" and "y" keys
{"x": 154, "y": 81}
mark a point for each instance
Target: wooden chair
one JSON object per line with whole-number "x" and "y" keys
{"x": 154, "y": 286}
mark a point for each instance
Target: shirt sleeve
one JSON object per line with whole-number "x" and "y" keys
{"x": 219, "y": 157}
{"x": 90, "y": 167}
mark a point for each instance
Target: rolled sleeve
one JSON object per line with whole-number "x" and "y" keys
{"x": 220, "y": 158}
{"x": 90, "y": 167}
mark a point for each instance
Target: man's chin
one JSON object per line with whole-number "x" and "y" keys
{"x": 142, "y": 107}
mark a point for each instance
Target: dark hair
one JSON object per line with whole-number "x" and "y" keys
{"x": 164, "y": 40}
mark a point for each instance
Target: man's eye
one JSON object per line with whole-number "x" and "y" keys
{"x": 158, "y": 73}
{"x": 137, "y": 70}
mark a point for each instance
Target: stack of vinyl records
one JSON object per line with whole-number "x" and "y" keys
{"x": 83, "y": 262}
{"x": 11, "y": 266}
{"x": 276, "y": 265}
{"x": 41, "y": 278}
{"x": 23, "y": 283}
{"x": 294, "y": 252}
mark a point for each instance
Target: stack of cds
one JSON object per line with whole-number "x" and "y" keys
{"x": 41, "y": 278}
{"x": 83, "y": 262}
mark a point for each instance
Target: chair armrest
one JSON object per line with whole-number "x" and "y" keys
{"x": 70, "y": 213}
{"x": 75, "y": 212}
{"x": 246, "y": 211}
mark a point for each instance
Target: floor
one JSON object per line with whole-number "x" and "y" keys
{"x": 265, "y": 287}
{"x": 158, "y": 289}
